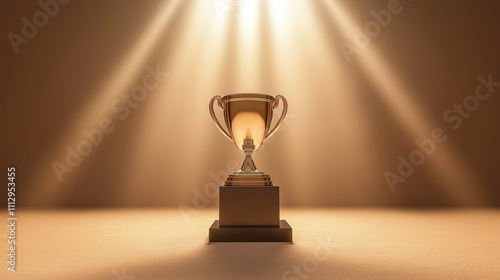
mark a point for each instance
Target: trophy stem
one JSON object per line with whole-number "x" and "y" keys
{"x": 248, "y": 147}
{"x": 248, "y": 175}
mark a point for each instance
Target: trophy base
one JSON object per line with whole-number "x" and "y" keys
{"x": 241, "y": 206}
{"x": 281, "y": 233}
{"x": 248, "y": 178}
{"x": 249, "y": 214}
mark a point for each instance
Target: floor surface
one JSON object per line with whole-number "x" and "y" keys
{"x": 348, "y": 243}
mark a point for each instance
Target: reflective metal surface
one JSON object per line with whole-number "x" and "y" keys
{"x": 247, "y": 119}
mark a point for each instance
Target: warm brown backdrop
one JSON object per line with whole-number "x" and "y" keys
{"x": 348, "y": 122}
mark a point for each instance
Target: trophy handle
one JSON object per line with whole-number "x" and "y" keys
{"x": 283, "y": 114}
{"x": 214, "y": 118}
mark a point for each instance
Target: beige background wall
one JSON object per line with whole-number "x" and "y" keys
{"x": 348, "y": 121}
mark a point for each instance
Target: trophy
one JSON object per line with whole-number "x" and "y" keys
{"x": 248, "y": 200}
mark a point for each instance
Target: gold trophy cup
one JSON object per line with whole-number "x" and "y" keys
{"x": 248, "y": 119}
{"x": 248, "y": 200}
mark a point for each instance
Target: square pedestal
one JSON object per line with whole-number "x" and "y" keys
{"x": 249, "y": 206}
{"x": 249, "y": 214}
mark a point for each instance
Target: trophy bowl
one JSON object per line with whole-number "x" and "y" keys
{"x": 247, "y": 118}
